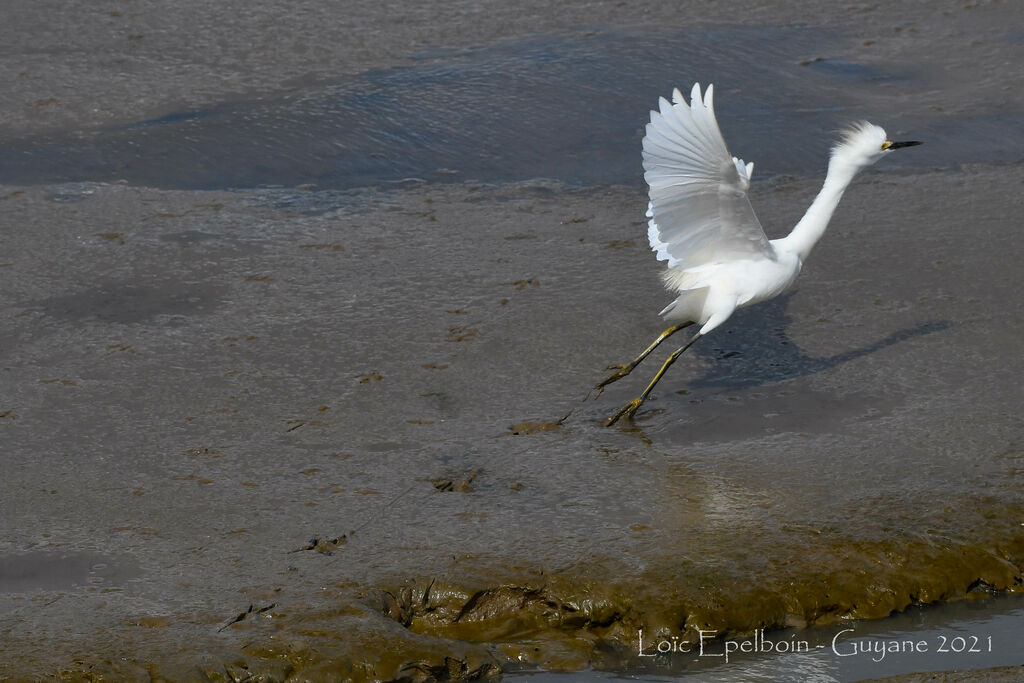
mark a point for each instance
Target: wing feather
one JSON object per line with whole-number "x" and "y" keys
{"x": 699, "y": 208}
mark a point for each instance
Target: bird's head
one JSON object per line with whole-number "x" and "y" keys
{"x": 865, "y": 143}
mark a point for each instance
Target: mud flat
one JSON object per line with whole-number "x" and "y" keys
{"x": 297, "y": 422}
{"x": 237, "y": 407}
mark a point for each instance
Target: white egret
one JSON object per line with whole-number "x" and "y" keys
{"x": 702, "y": 224}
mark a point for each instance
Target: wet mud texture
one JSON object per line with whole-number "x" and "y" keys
{"x": 219, "y": 391}
{"x": 337, "y": 431}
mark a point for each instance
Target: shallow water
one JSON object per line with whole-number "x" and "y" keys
{"x": 567, "y": 107}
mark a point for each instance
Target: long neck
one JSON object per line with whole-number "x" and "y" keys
{"x": 812, "y": 226}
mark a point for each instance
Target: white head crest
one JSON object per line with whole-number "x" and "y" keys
{"x": 863, "y": 143}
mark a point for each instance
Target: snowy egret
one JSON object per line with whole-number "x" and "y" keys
{"x": 702, "y": 224}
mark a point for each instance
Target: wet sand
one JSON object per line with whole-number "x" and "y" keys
{"x": 289, "y": 421}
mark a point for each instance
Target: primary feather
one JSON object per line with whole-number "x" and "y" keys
{"x": 699, "y": 211}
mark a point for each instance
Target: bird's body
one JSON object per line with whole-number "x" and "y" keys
{"x": 701, "y": 222}
{"x": 709, "y": 294}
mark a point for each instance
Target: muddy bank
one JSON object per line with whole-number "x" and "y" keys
{"x": 433, "y": 630}
{"x": 302, "y": 413}
{"x": 222, "y": 391}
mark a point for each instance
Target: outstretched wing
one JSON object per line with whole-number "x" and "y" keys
{"x": 699, "y": 209}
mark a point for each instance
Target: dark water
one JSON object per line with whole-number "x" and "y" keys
{"x": 569, "y": 107}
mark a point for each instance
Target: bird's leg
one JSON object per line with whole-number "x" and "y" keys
{"x": 630, "y": 408}
{"x": 623, "y": 370}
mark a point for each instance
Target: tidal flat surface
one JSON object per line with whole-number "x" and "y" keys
{"x": 293, "y": 378}
{"x": 973, "y": 640}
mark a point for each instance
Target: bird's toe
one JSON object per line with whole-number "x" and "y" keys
{"x": 620, "y": 372}
{"x": 628, "y": 410}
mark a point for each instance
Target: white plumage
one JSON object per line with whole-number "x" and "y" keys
{"x": 699, "y": 208}
{"x": 703, "y": 226}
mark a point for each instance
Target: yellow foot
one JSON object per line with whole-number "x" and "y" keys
{"x": 620, "y": 372}
{"x": 629, "y": 410}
